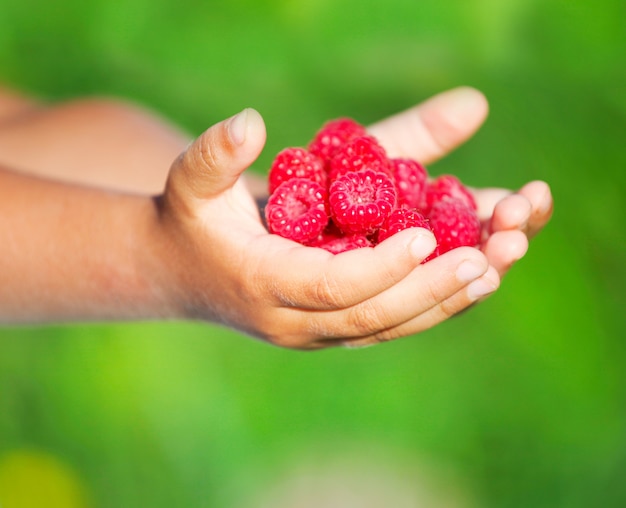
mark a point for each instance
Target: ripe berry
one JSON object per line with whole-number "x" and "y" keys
{"x": 297, "y": 210}
{"x": 411, "y": 179}
{"x": 447, "y": 187}
{"x": 333, "y": 135}
{"x": 401, "y": 219}
{"x": 345, "y": 243}
{"x": 360, "y": 154}
{"x": 454, "y": 224}
{"x": 296, "y": 163}
{"x": 344, "y": 192}
{"x": 360, "y": 201}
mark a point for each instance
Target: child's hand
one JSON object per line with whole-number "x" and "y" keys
{"x": 429, "y": 131}
{"x": 222, "y": 265}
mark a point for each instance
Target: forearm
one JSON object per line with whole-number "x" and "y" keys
{"x": 76, "y": 253}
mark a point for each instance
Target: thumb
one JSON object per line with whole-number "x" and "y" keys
{"x": 215, "y": 160}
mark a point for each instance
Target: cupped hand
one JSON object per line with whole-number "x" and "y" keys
{"x": 225, "y": 266}
{"x": 431, "y": 130}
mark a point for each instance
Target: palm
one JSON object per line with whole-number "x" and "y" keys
{"x": 434, "y": 128}
{"x": 426, "y": 133}
{"x": 429, "y": 132}
{"x": 301, "y": 297}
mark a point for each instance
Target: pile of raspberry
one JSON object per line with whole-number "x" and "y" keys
{"x": 344, "y": 192}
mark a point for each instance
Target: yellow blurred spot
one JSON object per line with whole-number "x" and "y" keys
{"x": 32, "y": 479}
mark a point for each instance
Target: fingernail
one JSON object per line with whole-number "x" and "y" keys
{"x": 469, "y": 270}
{"x": 422, "y": 245}
{"x": 467, "y": 100}
{"x": 479, "y": 288}
{"x": 237, "y": 126}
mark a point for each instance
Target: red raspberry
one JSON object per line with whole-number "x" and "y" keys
{"x": 454, "y": 224}
{"x": 297, "y": 210}
{"x": 360, "y": 154}
{"x": 401, "y": 219}
{"x": 345, "y": 243}
{"x": 360, "y": 201}
{"x": 296, "y": 163}
{"x": 333, "y": 135}
{"x": 447, "y": 187}
{"x": 411, "y": 179}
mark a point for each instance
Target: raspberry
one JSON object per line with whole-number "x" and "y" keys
{"x": 447, "y": 187}
{"x": 297, "y": 210}
{"x": 360, "y": 201}
{"x": 333, "y": 135}
{"x": 411, "y": 179}
{"x": 454, "y": 224}
{"x": 329, "y": 233}
{"x": 334, "y": 240}
{"x": 345, "y": 243}
{"x": 296, "y": 163}
{"x": 343, "y": 192}
{"x": 401, "y": 219}
{"x": 360, "y": 154}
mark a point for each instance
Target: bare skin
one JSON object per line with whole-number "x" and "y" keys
{"x": 118, "y": 231}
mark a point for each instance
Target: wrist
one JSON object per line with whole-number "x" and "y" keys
{"x": 158, "y": 272}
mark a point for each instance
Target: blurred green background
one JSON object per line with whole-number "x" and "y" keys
{"x": 520, "y": 402}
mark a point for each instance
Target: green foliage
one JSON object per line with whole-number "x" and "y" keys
{"x": 521, "y": 399}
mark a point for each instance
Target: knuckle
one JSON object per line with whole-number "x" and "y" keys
{"x": 281, "y": 331}
{"x": 434, "y": 294}
{"x": 367, "y": 319}
{"x": 209, "y": 154}
{"x": 449, "y": 308}
{"x": 326, "y": 292}
{"x": 213, "y": 148}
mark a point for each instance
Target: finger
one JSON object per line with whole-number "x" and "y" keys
{"x": 504, "y": 248}
{"x": 487, "y": 199}
{"x": 430, "y": 130}
{"x": 459, "y": 301}
{"x": 214, "y": 161}
{"x": 529, "y": 209}
{"x": 511, "y": 212}
{"x": 427, "y": 286}
{"x": 542, "y": 206}
{"x": 311, "y": 278}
